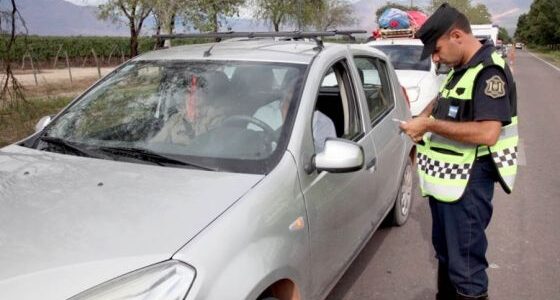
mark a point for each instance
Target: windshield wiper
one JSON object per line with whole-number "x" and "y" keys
{"x": 151, "y": 156}
{"x": 67, "y": 145}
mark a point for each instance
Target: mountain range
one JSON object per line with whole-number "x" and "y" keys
{"x": 62, "y": 18}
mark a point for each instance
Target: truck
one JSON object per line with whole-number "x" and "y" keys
{"x": 485, "y": 32}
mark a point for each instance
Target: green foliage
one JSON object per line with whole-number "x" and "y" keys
{"x": 303, "y": 14}
{"x": 208, "y": 15}
{"x": 44, "y": 48}
{"x": 477, "y": 14}
{"x": 540, "y": 25}
{"x": 335, "y": 14}
{"x": 504, "y": 35}
{"x": 18, "y": 121}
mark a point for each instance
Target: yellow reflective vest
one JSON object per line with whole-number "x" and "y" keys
{"x": 444, "y": 165}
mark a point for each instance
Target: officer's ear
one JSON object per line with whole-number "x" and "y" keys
{"x": 456, "y": 35}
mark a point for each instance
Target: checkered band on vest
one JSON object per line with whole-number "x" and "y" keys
{"x": 506, "y": 157}
{"x": 442, "y": 170}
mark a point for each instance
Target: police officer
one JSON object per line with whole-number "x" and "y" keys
{"x": 467, "y": 140}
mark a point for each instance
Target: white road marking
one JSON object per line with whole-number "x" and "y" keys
{"x": 544, "y": 61}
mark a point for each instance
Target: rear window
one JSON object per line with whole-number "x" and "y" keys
{"x": 406, "y": 57}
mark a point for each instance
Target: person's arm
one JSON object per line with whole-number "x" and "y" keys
{"x": 491, "y": 111}
{"x": 476, "y": 132}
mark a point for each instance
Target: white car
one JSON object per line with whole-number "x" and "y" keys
{"x": 421, "y": 78}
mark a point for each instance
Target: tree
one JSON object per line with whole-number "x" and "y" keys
{"x": 503, "y": 35}
{"x": 207, "y": 15}
{"x": 275, "y": 12}
{"x": 135, "y": 12}
{"x": 12, "y": 90}
{"x": 165, "y": 13}
{"x": 542, "y": 22}
{"x": 522, "y": 29}
{"x": 477, "y": 14}
{"x": 299, "y": 13}
{"x": 335, "y": 13}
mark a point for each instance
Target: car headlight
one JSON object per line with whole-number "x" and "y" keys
{"x": 413, "y": 93}
{"x": 168, "y": 280}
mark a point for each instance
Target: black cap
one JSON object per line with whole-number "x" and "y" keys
{"x": 436, "y": 26}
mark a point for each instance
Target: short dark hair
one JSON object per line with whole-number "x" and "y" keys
{"x": 462, "y": 23}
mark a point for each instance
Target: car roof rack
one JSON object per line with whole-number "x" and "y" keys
{"x": 219, "y": 36}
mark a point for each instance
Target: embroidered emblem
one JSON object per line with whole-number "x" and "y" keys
{"x": 495, "y": 87}
{"x": 460, "y": 91}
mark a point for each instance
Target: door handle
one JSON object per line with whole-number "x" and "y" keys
{"x": 372, "y": 165}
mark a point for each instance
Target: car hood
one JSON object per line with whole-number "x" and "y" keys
{"x": 411, "y": 78}
{"x": 68, "y": 223}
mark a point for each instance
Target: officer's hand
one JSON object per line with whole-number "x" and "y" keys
{"x": 415, "y": 128}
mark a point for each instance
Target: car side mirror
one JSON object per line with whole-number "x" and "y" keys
{"x": 43, "y": 122}
{"x": 442, "y": 69}
{"x": 340, "y": 156}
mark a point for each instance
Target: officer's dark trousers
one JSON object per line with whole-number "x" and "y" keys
{"x": 458, "y": 231}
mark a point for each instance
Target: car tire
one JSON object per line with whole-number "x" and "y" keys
{"x": 403, "y": 203}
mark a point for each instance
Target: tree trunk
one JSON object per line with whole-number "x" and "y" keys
{"x": 133, "y": 40}
{"x": 215, "y": 19}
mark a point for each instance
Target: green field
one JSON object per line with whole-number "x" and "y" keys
{"x": 44, "y": 49}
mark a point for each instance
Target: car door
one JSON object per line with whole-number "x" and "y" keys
{"x": 338, "y": 205}
{"x": 386, "y": 134}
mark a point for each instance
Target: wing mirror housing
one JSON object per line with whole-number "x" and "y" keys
{"x": 340, "y": 156}
{"x": 43, "y": 122}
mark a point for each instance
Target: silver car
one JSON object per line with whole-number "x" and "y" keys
{"x": 253, "y": 168}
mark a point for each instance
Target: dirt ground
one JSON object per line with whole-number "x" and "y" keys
{"x": 55, "y": 76}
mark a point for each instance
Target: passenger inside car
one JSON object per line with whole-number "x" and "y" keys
{"x": 274, "y": 114}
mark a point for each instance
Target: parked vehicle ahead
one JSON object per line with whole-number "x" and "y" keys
{"x": 208, "y": 172}
{"x": 421, "y": 78}
{"x": 518, "y": 45}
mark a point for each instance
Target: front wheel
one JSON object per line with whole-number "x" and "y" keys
{"x": 403, "y": 203}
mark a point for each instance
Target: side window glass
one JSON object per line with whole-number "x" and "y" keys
{"x": 336, "y": 100}
{"x": 376, "y": 84}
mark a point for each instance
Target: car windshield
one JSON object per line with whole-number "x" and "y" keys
{"x": 406, "y": 57}
{"x": 223, "y": 115}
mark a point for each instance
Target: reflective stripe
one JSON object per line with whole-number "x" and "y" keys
{"x": 509, "y": 131}
{"x": 446, "y": 193}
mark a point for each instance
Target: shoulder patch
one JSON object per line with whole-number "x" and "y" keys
{"x": 495, "y": 87}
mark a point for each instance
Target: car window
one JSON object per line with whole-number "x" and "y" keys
{"x": 202, "y": 110}
{"x": 376, "y": 83}
{"x": 406, "y": 57}
{"x": 337, "y": 101}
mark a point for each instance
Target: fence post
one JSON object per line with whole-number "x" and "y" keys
{"x": 56, "y": 57}
{"x": 96, "y": 62}
{"x": 68, "y": 65}
{"x": 33, "y": 68}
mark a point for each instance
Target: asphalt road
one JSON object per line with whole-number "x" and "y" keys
{"x": 524, "y": 235}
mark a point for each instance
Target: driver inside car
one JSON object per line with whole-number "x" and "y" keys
{"x": 200, "y": 110}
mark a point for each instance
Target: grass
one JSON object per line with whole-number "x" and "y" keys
{"x": 17, "y": 121}
{"x": 552, "y": 56}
